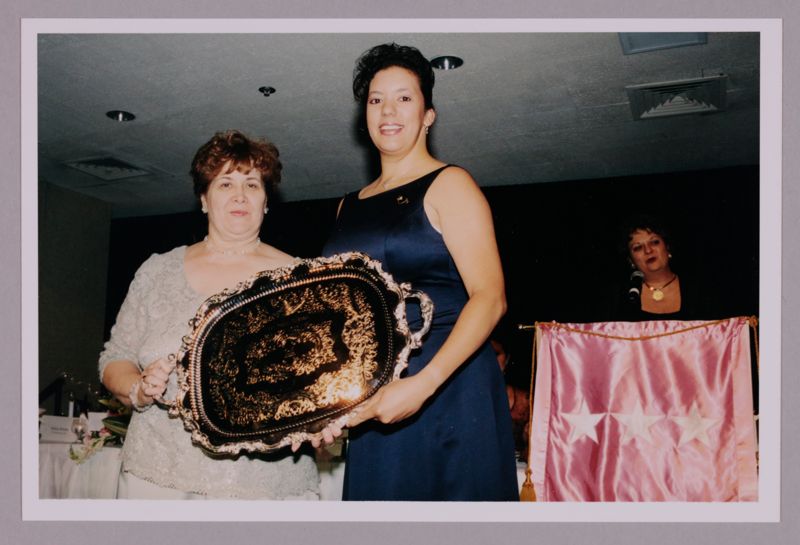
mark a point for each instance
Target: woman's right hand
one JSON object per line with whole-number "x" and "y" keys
{"x": 154, "y": 379}
{"x": 397, "y": 400}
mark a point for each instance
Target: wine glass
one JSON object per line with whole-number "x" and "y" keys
{"x": 79, "y": 428}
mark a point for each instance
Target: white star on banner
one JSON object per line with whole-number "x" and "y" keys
{"x": 694, "y": 426}
{"x": 636, "y": 424}
{"x": 583, "y": 423}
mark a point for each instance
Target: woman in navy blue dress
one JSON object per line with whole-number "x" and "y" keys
{"x": 442, "y": 431}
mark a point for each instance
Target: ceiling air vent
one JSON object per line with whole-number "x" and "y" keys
{"x": 107, "y": 168}
{"x": 641, "y": 42}
{"x": 689, "y": 96}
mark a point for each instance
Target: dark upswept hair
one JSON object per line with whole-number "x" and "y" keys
{"x": 643, "y": 222}
{"x": 242, "y": 152}
{"x": 385, "y": 56}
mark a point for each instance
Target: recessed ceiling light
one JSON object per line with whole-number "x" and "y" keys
{"x": 447, "y": 62}
{"x": 120, "y": 115}
{"x": 266, "y": 91}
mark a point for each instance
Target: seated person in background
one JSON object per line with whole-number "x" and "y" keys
{"x": 517, "y": 387}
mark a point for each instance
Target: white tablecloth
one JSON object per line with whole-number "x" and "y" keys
{"x": 60, "y": 477}
{"x": 97, "y": 477}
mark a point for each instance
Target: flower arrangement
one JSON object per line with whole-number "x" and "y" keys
{"x": 115, "y": 426}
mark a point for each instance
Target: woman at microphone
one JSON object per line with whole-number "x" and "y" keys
{"x": 655, "y": 290}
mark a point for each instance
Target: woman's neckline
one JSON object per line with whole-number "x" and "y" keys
{"x": 196, "y": 293}
{"x": 186, "y": 277}
{"x": 391, "y": 189}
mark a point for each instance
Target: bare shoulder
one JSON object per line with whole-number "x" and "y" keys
{"x": 454, "y": 174}
{"x": 453, "y": 183}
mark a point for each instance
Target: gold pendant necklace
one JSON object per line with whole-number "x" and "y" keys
{"x": 658, "y": 293}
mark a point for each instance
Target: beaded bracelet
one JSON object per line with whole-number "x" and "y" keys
{"x": 133, "y": 395}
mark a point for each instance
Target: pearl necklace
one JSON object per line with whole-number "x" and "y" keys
{"x": 247, "y": 249}
{"x": 658, "y": 293}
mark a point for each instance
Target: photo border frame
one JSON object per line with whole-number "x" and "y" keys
{"x": 767, "y": 509}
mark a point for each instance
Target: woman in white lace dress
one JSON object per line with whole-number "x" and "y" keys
{"x": 232, "y": 176}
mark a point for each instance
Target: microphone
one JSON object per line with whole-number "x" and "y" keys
{"x": 635, "y": 291}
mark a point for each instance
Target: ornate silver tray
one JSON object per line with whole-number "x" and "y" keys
{"x": 289, "y": 351}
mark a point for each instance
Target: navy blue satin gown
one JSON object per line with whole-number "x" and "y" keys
{"x": 459, "y": 446}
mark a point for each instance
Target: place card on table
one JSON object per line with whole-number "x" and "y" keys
{"x": 56, "y": 429}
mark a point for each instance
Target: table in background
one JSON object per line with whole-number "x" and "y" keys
{"x": 60, "y": 477}
{"x": 97, "y": 477}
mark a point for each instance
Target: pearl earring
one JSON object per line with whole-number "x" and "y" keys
{"x": 427, "y": 128}
{"x": 204, "y": 209}
{"x": 266, "y": 209}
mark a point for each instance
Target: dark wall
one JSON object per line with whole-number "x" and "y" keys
{"x": 73, "y": 265}
{"x": 566, "y": 236}
{"x": 558, "y": 241}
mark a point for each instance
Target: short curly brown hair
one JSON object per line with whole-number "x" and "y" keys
{"x": 243, "y": 154}
{"x": 388, "y": 55}
{"x": 643, "y": 222}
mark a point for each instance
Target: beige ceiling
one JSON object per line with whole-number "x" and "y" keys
{"x": 524, "y": 108}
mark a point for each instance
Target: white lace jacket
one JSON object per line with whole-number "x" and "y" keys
{"x": 151, "y": 323}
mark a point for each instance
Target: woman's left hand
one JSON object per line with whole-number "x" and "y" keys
{"x": 396, "y": 401}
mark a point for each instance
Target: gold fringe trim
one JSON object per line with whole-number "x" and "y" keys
{"x": 753, "y": 321}
{"x": 527, "y": 493}
{"x": 643, "y": 337}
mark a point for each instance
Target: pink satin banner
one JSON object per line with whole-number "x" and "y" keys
{"x": 668, "y": 418}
